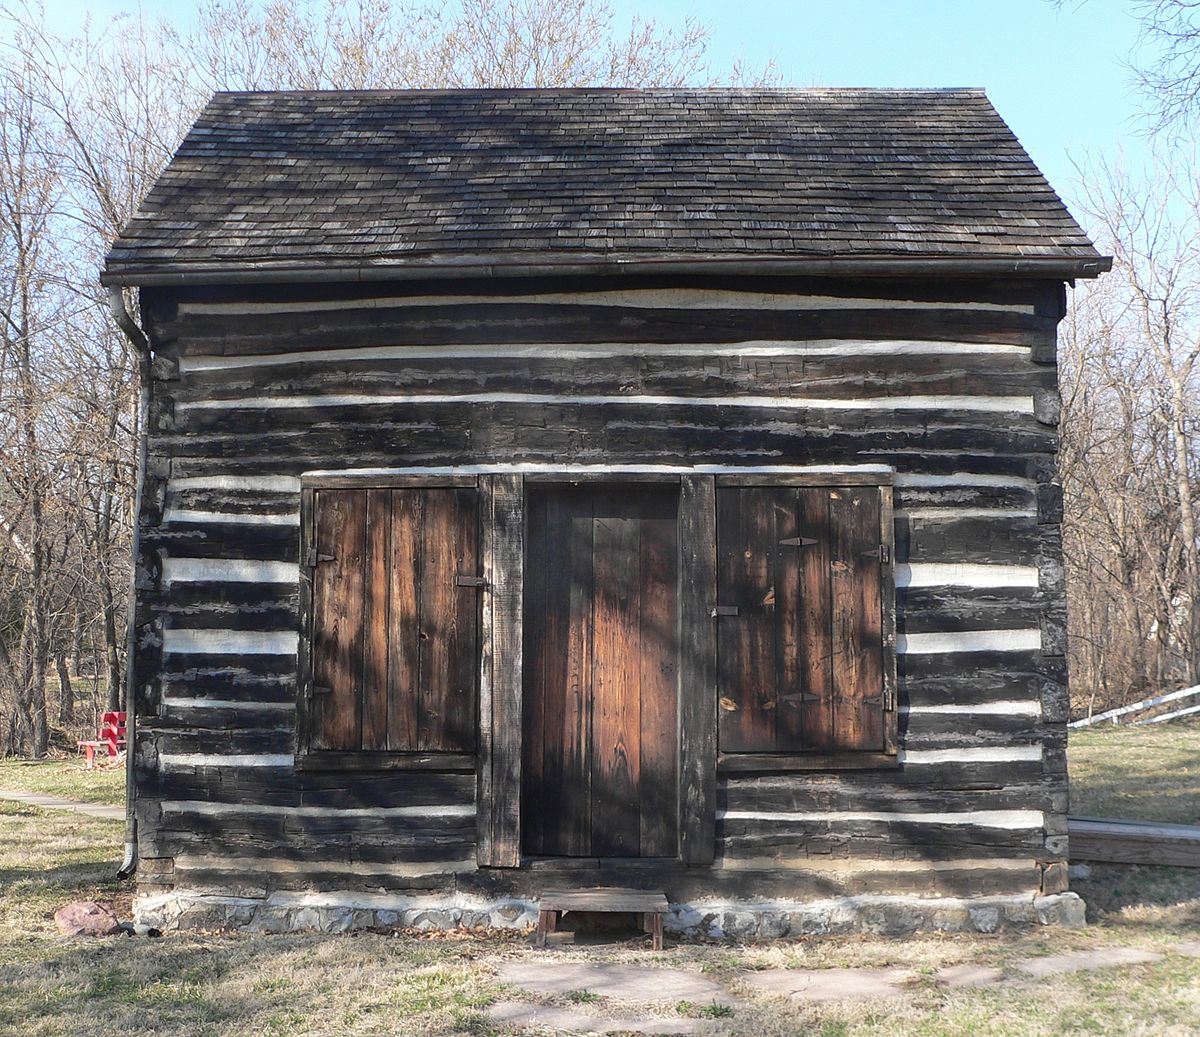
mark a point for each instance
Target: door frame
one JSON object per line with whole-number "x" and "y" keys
{"x": 502, "y": 677}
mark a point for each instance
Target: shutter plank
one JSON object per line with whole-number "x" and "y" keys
{"x": 659, "y": 634}
{"x": 746, "y": 649}
{"x": 857, "y": 619}
{"x": 338, "y": 618}
{"x": 404, "y": 622}
{"x": 376, "y": 620}
{"x": 439, "y": 621}
{"x": 616, "y": 721}
{"x": 462, "y": 645}
{"x": 815, "y": 621}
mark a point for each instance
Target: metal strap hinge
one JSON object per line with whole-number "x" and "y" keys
{"x": 469, "y": 581}
{"x": 315, "y": 557}
{"x": 797, "y": 542}
{"x": 320, "y": 689}
{"x": 882, "y": 552}
{"x": 723, "y": 610}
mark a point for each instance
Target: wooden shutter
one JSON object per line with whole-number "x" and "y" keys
{"x": 803, "y": 610}
{"x": 393, "y": 643}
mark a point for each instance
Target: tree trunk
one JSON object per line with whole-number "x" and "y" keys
{"x": 66, "y": 692}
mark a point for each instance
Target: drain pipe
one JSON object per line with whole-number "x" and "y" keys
{"x": 141, "y": 346}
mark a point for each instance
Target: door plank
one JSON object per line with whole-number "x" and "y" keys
{"x": 338, "y": 618}
{"x": 789, "y": 678}
{"x": 404, "y": 621}
{"x": 573, "y": 688}
{"x": 616, "y": 675}
{"x": 659, "y": 678}
{"x": 815, "y": 618}
{"x": 536, "y": 677}
{"x": 857, "y": 619}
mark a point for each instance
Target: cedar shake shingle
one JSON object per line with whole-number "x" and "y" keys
{"x": 337, "y": 180}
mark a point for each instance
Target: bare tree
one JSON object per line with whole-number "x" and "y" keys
{"x": 1131, "y": 350}
{"x": 87, "y": 122}
{"x": 1166, "y": 62}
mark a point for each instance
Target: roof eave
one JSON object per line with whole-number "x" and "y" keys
{"x": 249, "y": 271}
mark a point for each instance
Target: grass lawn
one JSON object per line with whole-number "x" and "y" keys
{"x": 67, "y": 777}
{"x": 245, "y": 984}
{"x": 1147, "y": 773}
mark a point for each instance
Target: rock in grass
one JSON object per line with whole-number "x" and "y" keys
{"x": 86, "y": 918}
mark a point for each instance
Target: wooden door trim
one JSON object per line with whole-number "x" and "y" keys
{"x": 501, "y": 677}
{"x": 367, "y": 481}
{"x": 697, "y": 669}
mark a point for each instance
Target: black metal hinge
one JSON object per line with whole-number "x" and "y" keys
{"x": 469, "y": 581}
{"x": 315, "y": 557}
{"x": 797, "y": 542}
{"x": 320, "y": 689}
{"x": 882, "y": 552}
{"x": 723, "y": 610}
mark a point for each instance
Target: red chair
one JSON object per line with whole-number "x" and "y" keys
{"x": 112, "y": 737}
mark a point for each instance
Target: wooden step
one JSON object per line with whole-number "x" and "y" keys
{"x": 650, "y": 904}
{"x": 602, "y": 898}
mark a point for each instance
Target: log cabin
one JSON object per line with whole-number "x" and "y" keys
{"x": 587, "y": 489}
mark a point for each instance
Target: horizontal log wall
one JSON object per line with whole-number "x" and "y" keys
{"x": 953, "y": 385}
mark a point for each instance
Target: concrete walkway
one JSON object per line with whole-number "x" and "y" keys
{"x": 41, "y": 799}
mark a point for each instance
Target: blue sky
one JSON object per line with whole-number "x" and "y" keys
{"x": 1055, "y": 73}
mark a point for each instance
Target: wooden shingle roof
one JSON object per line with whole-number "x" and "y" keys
{"x": 339, "y": 184}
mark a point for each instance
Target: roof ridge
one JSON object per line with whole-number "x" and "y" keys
{"x": 782, "y": 91}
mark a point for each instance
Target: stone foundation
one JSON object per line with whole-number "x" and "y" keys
{"x": 880, "y": 915}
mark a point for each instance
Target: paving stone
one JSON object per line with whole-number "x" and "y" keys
{"x": 1189, "y": 947}
{"x": 554, "y": 1017}
{"x": 633, "y": 982}
{"x": 969, "y": 975}
{"x": 830, "y": 984}
{"x": 1080, "y": 961}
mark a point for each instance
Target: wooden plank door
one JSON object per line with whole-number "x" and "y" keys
{"x": 601, "y": 672}
{"x": 801, "y": 664}
{"x": 394, "y": 637}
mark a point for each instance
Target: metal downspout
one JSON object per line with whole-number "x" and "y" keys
{"x": 141, "y": 345}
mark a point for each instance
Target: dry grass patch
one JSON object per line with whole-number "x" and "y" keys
{"x": 1137, "y": 773}
{"x": 247, "y": 985}
{"x": 67, "y": 777}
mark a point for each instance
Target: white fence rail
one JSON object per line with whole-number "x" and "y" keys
{"x": 1167, "y": 716}
{"x": 1137, "y": 707}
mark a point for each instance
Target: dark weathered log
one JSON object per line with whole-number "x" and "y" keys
{"x": 521, "y": 322}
